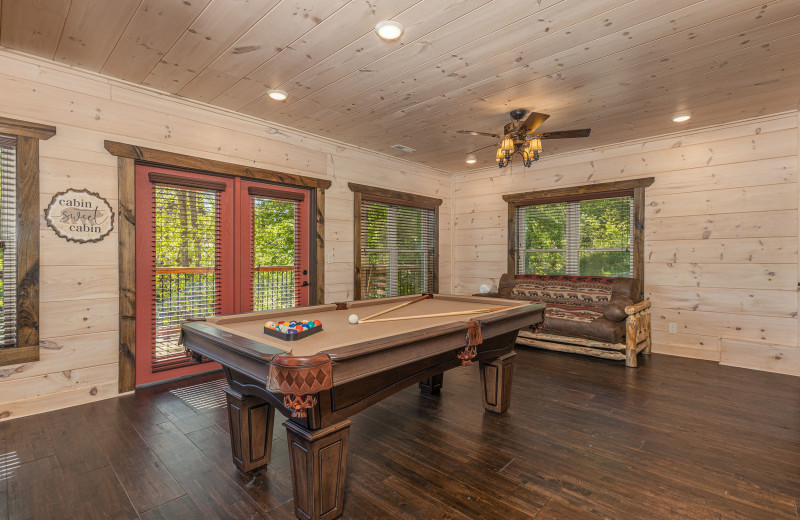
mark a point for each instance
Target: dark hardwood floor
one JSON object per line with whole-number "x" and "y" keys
{"x": 584, "y": 439}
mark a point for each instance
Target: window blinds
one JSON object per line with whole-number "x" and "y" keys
{"x": 8, "y": 240}
{"x": 591, "y": 237}
{"x": 398, "y": 249}
{"x": 187, "y": 265}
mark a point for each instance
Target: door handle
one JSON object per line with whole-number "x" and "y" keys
{"x": 304, "y": 284}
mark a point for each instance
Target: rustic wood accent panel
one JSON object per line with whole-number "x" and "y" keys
{"x": 436, "y": 248}
{"x": 27, "y": 348}
{"x": 127, "y": 274}
{"x": 578, "y": 191}
{"x": 189, "y": 162}
{"x": 26, "y": 128}
{"x": 357, "y": 246}
{"x": 511, "y": 259}
{"x": 638, "y": 237}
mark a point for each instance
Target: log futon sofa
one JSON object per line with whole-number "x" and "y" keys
{"x": 592, "y": 315}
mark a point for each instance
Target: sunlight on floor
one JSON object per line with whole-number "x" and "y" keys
{"x": 203, "y": 396}
{"x": 8, "y": 463}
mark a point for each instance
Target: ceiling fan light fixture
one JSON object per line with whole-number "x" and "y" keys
{"x": 389, "y": 30}
{"x": 681, "y": 118}
{"x": 277, "y": 95}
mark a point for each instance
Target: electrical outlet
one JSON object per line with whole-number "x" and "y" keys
{"x": 673, "y": 328}
{"x": 330, "y": 258}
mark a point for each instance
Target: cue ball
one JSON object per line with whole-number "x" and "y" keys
{"x": 353, "y": 319}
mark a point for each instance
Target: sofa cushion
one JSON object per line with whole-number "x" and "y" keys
{"x": 571, "y": 312}
{"x": 565, "y": 290}
{"x": 627, "y": 287}
{"x": 599, "y": 329}
{"x": 615, "y": 309}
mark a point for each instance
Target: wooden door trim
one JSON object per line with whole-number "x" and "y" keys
{"x": 187, "y": 162}
{"x": 127, "y": 156}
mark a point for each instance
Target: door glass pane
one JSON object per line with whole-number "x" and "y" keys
{"x": 274, "y": 241}
{"x": 186, "y": 250}
{"x": 605, "y": 263}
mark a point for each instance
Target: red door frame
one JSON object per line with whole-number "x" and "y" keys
{"x": 244, "y": 274}
{"x": 144, "y": 268}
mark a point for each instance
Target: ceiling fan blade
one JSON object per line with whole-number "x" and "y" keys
{"x": 532, "y": 122}
{"x": 472, "y": 132}
{"x": 564, "y": 134}
{"x": 484, "y": 147}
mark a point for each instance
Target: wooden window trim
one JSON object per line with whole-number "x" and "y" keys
{"x": 394, "y": 197}
{"x": 589, "y": 191}
{"x": 584, "y": 191}
{"x": 127, "y": 157}
{"x": 363, "y": 192}
{"x": 28, "y": 137}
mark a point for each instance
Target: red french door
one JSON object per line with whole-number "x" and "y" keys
{"x": 209, "y": 245}
{"x": 273, "y": 224}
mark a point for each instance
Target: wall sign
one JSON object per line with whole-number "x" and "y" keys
{"x": 80, "y": 216}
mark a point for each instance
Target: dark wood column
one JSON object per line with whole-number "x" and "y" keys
{"x": 432, "y": 385}
{"x": 496, "y": 382}
{"x": 318, "y": 462}
{"x": 251, "y": 421}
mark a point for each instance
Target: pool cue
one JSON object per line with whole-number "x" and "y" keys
{"x": 423, "y": 297}
{"x": 441, "y": 314}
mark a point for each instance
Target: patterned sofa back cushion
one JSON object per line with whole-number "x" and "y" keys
{"x": 591, "y": 292}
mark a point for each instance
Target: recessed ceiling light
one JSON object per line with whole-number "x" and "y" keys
{"x": 680, "y": 118}
{"x": 277, "y": 95}
{"x": 389, "y": 29}
{"x": 471, "y": 160}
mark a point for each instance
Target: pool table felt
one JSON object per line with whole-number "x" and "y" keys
{"x": 338, "y": 332}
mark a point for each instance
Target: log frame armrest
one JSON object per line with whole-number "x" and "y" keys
{"x": 637, "y": 331}
{"x": 638, "y": 307}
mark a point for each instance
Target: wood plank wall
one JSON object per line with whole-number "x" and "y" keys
{"x": 79, "y": 282}
{"x": 721, "y": 237}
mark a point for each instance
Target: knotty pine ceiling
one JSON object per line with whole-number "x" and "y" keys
{"x": 619, "y": 67}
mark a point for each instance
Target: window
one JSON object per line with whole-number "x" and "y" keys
{"x": 19, "y": 230}
{"x": 592, "y": 230}
{"x": 396, "y": 243}
{"x": 8, "y": 240}
{"x": 591, "y": 237}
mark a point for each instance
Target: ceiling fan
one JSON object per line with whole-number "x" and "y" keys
{"x": 518, "y": 137}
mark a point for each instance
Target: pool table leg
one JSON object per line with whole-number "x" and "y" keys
{"x": 318, "y": 459}
{"x": 496, "y": 382}
{"x": 251, "y": 420}
{"x": 432, "y": 385}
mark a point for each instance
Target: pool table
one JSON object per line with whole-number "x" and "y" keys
{"x": 322, "y": 379}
